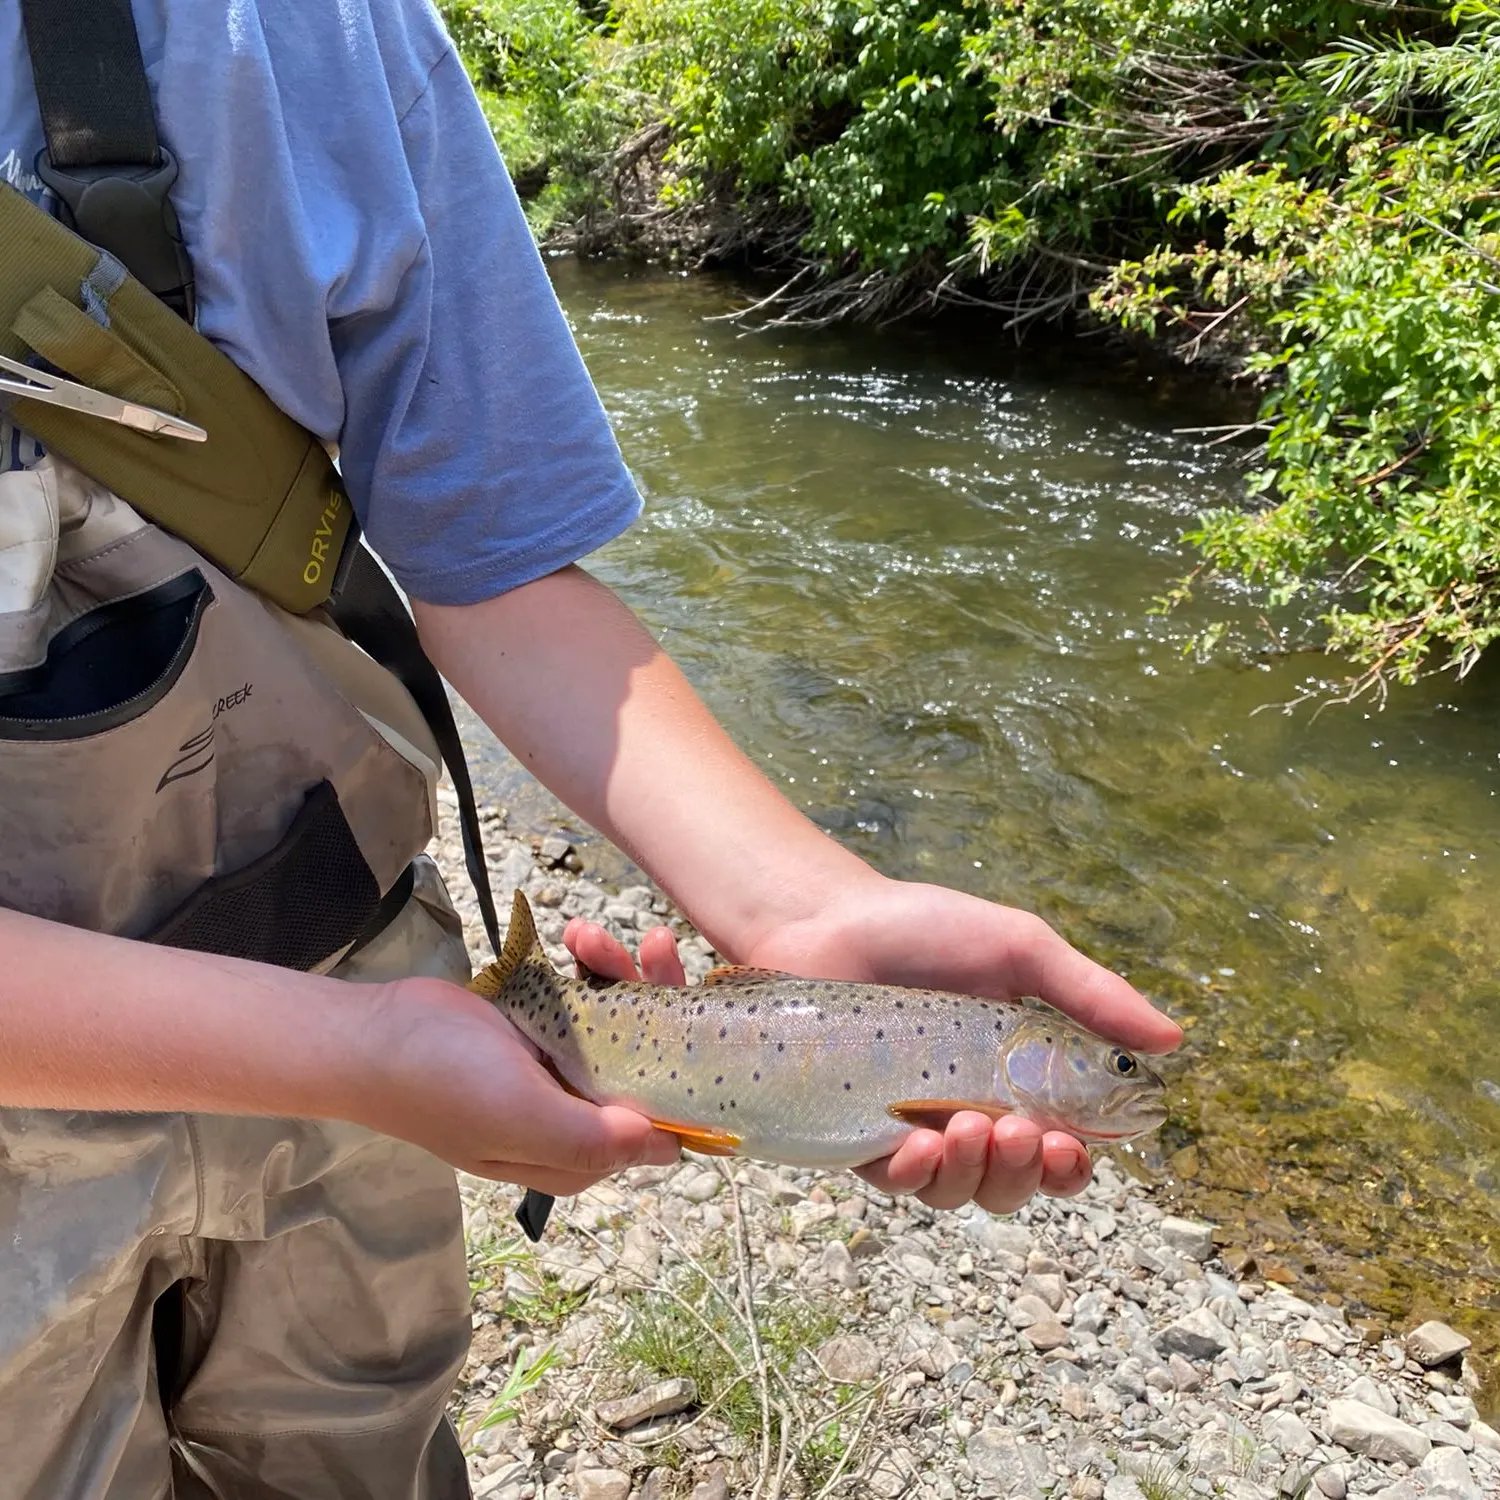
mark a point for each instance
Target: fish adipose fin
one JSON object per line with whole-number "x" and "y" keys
{"x": 934, "y": 1114}
{"x": 521, "y": 945}
{"x": 740, "y": 974}
{"x": 701, "y": 1138}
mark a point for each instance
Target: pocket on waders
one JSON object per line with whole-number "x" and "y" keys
{"x": 178, "y": 763}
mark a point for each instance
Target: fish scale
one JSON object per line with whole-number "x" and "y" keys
{"x": 811, "y": 1072}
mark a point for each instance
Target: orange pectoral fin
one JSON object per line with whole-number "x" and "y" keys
{"x": 934, "y": 1114}
{"x": 701, "y": 1138}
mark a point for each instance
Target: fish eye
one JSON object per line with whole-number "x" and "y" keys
{"x": 1122, "y": 1062}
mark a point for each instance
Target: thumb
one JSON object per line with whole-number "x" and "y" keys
{"x": 574, "y": 1135}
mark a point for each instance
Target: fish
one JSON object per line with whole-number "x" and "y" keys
{"x": 804, "y": 1072}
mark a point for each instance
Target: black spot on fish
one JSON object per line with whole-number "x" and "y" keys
{"x": 781, "y": 1046}
{"x": 925, "y": 1073}
{"x": 847, "y": 1086}
{"x": 756, "y": 1077}
{"x": 640, "y": 1073}
{"x": 921, "y": 1031}
{"x": 690, "y": 1093}
{"x": 719, "y": 1079}
{"x": 901, "y": 1005}
{"x": 764, "y": 1037}
{"x": 953, "y": 1067}
{"x": 674, "y": 1072}
{"x": 614, "y": 1036}
{"x": 723, "y": 1032}
{"x": 732, "y": 1104}
{"x": 751, "y": 1009}
{"x": 859, "y": 1010}
{"x": 880, "y": 1033}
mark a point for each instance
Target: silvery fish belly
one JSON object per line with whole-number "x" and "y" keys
{"x": 813, "y": 1072}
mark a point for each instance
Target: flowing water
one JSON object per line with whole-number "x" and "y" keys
{"x": 912, "y": 573}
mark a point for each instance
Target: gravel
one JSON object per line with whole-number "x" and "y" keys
{"x": 1095, "y": 1348}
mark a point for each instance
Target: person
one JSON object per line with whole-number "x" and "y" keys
{"x": 276, "y": 1147}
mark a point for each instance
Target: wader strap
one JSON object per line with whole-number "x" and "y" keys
{"x": 103, "y": 158}
{"x": 367, "y": 608}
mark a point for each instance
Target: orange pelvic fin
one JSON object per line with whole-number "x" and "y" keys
{"x": 702, "y": 1138}
{"x": 934, "y": 1114}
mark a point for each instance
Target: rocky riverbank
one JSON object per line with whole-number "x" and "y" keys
{"x": 715, "y": 1330}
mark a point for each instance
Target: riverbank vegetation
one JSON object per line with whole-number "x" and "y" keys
{"x": 1303, "y": 195}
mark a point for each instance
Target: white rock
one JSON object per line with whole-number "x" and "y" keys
{"x": 1435, "y": 1344}
{"x": 697, "y": 1184}
{"x": 1290, "y": 1434}
{"x": 1484, "y": 1436}
{"x": 1200, "y": 1335}
{"x": 1379, "y": 1396}
{"x": 1446, "y": 1435}
{"x": 664, "y": 1399}
{"x": 1363, "y": 1429}
{"x": 1331, "y": 1482}
{"x": 850, "y": 1359}
{"x": 1123, "y": 1487}
{"x": 1188, "y": 1237}
{"x": 1024, "y": 1311}
{"x": 1018, "y": 1465}
{"x": 1050, "y": 1288}
{"x": 998, "y": 1234}
{"x": 602, "y": 1484}
{"x": 1447, "y": 1466}
{"x": 839, "y": 1265}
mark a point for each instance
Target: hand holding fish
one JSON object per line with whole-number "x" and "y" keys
{"x": 913, "y": 935}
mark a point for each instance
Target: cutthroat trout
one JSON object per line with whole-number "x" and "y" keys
{"x": 812, "y": 1072}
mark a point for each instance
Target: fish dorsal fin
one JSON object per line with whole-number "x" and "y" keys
{"x": 740, "y": 974}
{"x": 934, "y": 1114}
{"x": 521, "y": 946}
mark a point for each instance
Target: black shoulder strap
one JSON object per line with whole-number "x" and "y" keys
{"x": 367, "y": 608}
{"x": 103, "y": 158}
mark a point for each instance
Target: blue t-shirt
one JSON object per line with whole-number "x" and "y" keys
{"x": 360, "y": 252}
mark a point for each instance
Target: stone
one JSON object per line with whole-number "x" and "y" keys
{"x": 998, "y": 1235}
{"x": 1199, "y": 1335}
{"x": 507, "y": 1474}
{"x": 1016, "y": 1464}
{"x": 698, "y": 1185}
{"x": 1047, "y": 1334}
{"x": 1362, "y": 1429}
{"x": 640, "y": 1255}
{"x": 1123, "y": 1487}
{"x": 664, "y": 1399}
{"x": 1459, "y": 1410}
{"x": 1024, "y": 1311}
{"x": 850, "y": 1359}
{"x": 863, "y": 1245}
{"x": 1290, "y": 1434}
{"x": 919, "y": 1268}
{"x": 1184, "y": 1376}
{"x": 1484, "y": 1436}
{"x": 714, "y": 1485}
{"x": 1447, "y": 1466}
{"x": 602, "y": 1484}
{"x": 1331, "y": 1482}
{"x": 1074, "y": 1401}
{"x": 1047, "y": 1286}
{"x": 1189, "y": 1237}
{"x": 1446, "y": 1435}
{"x": 1435, "y": 1344}
{"x": 838, "y": 1265}
{"x": 1379, "y": 1396}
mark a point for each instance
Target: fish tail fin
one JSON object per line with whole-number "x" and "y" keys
{"x": 521, "y": 949}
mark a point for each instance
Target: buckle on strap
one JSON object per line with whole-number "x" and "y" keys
{"x": 126, "y": 210}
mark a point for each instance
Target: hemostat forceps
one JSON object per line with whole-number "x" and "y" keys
{"x": 38, "y": 385}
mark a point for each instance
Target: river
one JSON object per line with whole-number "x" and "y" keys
{"x": 912, "y": 572}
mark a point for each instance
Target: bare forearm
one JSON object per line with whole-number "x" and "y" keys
{"x": 94, "y": 1022}
{"x": 571, "y": 681}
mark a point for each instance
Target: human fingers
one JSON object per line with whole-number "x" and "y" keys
{"x": 660, "y": 961}
{"x": 1013, "y": 1168}
{"x": 1066, "y": 1166}
{"x": 966, "y": 1145}
{"x": 599, "y": 950}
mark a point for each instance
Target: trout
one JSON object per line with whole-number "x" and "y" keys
{"x": 812, "y": 1072}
